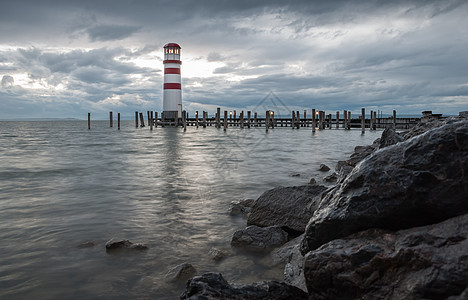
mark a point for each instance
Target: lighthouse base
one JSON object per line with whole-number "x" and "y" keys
{"x": 170, "y": 115}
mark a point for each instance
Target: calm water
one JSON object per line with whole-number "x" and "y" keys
{"x": 62, "y": 185}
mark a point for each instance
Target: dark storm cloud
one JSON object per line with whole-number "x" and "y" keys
{"x": 111, "y": 32}
{"x": 333, "y": 54}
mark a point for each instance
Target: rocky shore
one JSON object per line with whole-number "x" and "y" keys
{"x": 394, "y": 226}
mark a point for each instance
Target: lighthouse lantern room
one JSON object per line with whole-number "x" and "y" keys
{"x": 172, "y": 94}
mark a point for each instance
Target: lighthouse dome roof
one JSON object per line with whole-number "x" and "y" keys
{"x": 171, "y": 45}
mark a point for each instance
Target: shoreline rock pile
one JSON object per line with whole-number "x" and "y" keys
{"x": 395, "y": 225}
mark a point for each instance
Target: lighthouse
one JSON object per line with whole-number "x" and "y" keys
{"x": 172, "y": 94}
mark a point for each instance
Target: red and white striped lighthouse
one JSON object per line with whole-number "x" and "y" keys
{"x": 172, "y": 96}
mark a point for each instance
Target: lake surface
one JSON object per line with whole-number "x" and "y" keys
{"x": 62, "y": 185}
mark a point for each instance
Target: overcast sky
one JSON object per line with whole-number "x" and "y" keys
{"x": 67, "y": 58}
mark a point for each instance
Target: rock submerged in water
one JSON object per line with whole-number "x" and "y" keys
{"x": 287, "y": 207}
{"x": 181, "y": 272}
{"x": 416, "y": 182}
{"x": 124, "y": 244}
{"x": 259, "y": 238}
{"x": 419, "y": 263}
{"x": 218, "y": 254}
{"x": 240, "y": 207}
{"x": 324, "y": 168}
{"x": 214, "y": 286}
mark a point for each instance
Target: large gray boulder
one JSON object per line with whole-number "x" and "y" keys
{"x": 416, "y": 182}
{"x": 288, "y": 207}
{"x": 427, "y": 262}
{"x": 214, "y": 286}
{"x": 259, "y": 238}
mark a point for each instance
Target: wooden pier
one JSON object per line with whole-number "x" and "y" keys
{"x": 319, "y": 120}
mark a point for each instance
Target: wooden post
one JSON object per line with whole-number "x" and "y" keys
{"x": 235, "y": 121}
{"x": 162, "y": 119}
{"x": 272, "y": 119}
{"x": 204, "y": 119}
{"x": 196, "y": 118}
{"x": 150, "y": 120}
{"x": 136, "y": 119}
{"x": 218, "y": 117}
{"x": 155, "y": 119}
{"x": 255, "y": 120}
{"x": 298, "y": 120}
{"x": 118, "y": 121}
{"x": 176, "y": 118}
{"x": 349, "y": 120}
{"x": 225, "y": 120}
{"x": 305, "y": 118}
{"x": 110, "y": 119}
{"x": 293, "y": 116}
{"x": 89, "y": 121}
{"x": 248, "y": 118}
{"x": 267, "y": 120}
{"x": 375, "y": 120}
{"x": 320, "y": 119}
{"x": 345, "y": 117}
{"x": 371, "y": 120}
{"x": 241, "y": 116}
{"x": 330, "y": 121}
{"x": 363, "y": 120}
{"x": 142, "y": 120}
{"x": 184, "y": 120}
{"x": 394, "y": 119}
{"x": 313, "y": 120}
{"x": 337, "y": 119}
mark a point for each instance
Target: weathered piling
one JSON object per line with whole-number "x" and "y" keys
{"x": 320, "y": 119}
{"x": 349, "y": 120}
{"x": 345, "y": 117}
{"x": 255, "y": 120}
{"x": 267, "y": 120}
{"x": 142, "y": 120}
{"x": 375, "y": 121}
{"x": 150, "y": 120}
{"x": 136, "y": 119}
{"x": 218, "y": 117}
{"x": 204, "y": 119}
{"x": 272, "y": 119}
{"x": 394, "y": 119}
{"x": 298, "y": 120}
{"x": 184, "y": 120}
{"x": 241, "y": 116}
{"x": 337, "y": 119}
{"x": 89, "y": 121}
{"x": 248, "y": 118}
{"x": 225, "y": 120}
{"x": 155, "y": 119}
{"x": 313, "y": 120}
{"x": 234, "y": 120}
{"x": 292, "y": 119}
{"x": 363, "y": 120}
{"x": 305, "y": 118}
{"x": 118, "y": 121}
{"x": 110, "y": 119}
{"x": 371, "y": 120}
{"x": 196, "y": 118}
{"x": 330, "y": 121}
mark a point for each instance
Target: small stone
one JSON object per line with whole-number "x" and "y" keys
{"x": 218, "y": 254}
{"x": 313, "y": 181}
{"x": 235, "y": 209}
{"x": 324, "y": 168}
{"x": 124, "y": 244}
{"x": 87, "y": 244}
{"x": 181, "y": 272}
